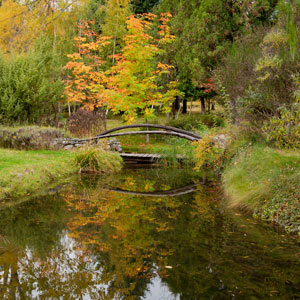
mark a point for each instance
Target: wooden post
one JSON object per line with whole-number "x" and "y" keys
{"x": 147, "y": 135}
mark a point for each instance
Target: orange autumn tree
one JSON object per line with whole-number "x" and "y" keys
{"x": 86, "y": 82}
{"x": 134, "y": 83}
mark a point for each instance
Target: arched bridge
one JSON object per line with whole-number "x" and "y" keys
{"x": 166, "y": 130}
{"x": 158, "y": 129}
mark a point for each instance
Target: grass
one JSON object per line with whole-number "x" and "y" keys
{"x": 23, "y": 173}
{"x": 265, "y": 181}
{"x": 96, "y": 160}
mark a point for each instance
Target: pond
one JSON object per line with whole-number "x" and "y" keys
{"x": 145, "y": 234}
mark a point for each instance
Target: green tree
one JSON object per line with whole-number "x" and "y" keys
{"x": 116, "y": 14}
{"x": 205, "y": 30}
{"x": 143, "y": 6}
{"x": 31, "y": 86}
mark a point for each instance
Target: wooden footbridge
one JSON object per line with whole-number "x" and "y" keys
{"x": 159, "y": 129}
{"x": 166, "y": 130}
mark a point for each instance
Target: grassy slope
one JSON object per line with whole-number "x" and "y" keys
{"x": 266, "y": 181}
{"x": 22, "y": 173}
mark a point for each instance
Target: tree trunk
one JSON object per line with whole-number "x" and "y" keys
{"x": 69, "y": 109}
{"x": 175, "y": 107}
{"x": 184, "y": 106}
{"x": 208, "y": 106}
{"x": 191, "y": 107}
{"x": 234, "y": 113}
{"x": 203, "y": 111}
{"x": 213, "y": 106}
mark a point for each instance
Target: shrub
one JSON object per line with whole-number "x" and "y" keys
{"x": 96, "y": 160}
{"x": 86, "y": 123}
{"x": 210, "y": 150}
{"x": 257, "y": 73}
{"x": 31, "y": 87}
{"x": 284, "y": 131}
{"x": 197, "y": 122}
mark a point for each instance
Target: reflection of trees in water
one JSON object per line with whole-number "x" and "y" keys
{"x": 67, "y": 272}
{"x": 210, "y": 255}
{"x": 116, "y": 244}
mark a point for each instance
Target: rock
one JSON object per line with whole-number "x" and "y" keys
{"x": 114, "y": 145}
{"x": 69, "y": 147}
{"x": 221, "y": 140}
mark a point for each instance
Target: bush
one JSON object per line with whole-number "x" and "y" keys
{"x": 258, "y": 71}
{"x": 284, "y": 131}
{"x": 86, "y": 123}
{"x": 31, "y": 87}
{"x": 210, "y": 150}
{"x": 29, "y": 138}
{"x": 197, "y": 122}
{"x": 96, "y": 160}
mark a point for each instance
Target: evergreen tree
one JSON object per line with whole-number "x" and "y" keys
{"x": 143, "y": 6}
{"x": 204, "y": 31}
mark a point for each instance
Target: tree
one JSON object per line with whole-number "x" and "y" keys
{"x": 116, "y": 14}
{"x": 132, "y": 85}
{"x": 31, "y": 86}
{"x": 15, "y": 26}
{"x": 134, "y": 81}
{"x": 205, "y": 30}
{"x": 143, "y": 6}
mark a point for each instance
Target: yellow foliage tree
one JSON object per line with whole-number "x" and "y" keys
{"x": 15, "y": 26}
{"x": 22, "y": 23}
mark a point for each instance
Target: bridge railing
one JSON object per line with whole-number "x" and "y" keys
{"x": 168, "y": 130}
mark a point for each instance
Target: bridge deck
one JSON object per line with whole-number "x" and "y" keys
{"x": 143, "y": 157}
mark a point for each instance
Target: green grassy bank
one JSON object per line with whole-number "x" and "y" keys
{"x": 24, "y": 173}
{"x": 266, "y": 182}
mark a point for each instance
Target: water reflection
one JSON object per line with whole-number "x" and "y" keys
{"x": 136, "y": 240}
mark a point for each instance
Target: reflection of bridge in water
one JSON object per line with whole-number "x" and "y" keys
{"x": 170, "y": 193}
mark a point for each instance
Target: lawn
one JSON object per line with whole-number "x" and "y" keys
{"x": 23, "y": 173}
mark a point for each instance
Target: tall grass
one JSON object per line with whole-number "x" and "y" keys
{"x": 266, "y": 181}
{"x": 95, "y": 160}
{"x": 178, "y": 153}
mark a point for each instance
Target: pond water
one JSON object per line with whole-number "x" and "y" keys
{"x": 145, "y": 234}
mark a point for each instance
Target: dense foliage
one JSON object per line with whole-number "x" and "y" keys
{"x": 31, "y": 87}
